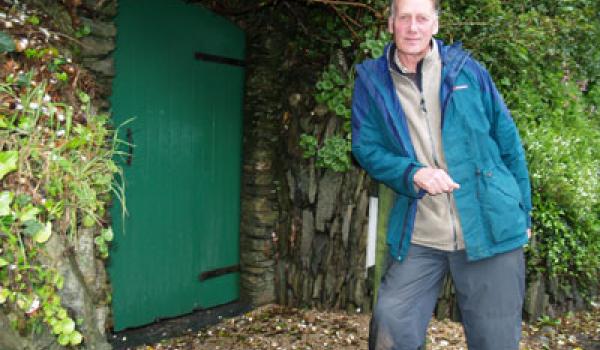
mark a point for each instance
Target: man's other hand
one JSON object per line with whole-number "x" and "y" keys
{"x": 434, "y": 181}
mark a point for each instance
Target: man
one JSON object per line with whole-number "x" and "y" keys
{"x": 429, "y": 123}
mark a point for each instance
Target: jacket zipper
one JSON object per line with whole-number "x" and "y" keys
{"x": 437, "y": 164}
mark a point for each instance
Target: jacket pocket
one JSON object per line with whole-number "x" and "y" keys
{"x": 502, "y": 208}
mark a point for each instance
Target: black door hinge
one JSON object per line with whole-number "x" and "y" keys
{"x": 219, "y": 59}
{"x": 218, "y": 272}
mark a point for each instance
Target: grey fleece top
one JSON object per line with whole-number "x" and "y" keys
{"x": 437, "y": 224}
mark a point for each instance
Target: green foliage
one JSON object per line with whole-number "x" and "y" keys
{"x": 35, "y": 20}
{"x": 57, "y": 174}
{"x": 335, "y": 154}
{"x": 82, "y": 31}
{"x": 563, "y": 150}
{"x": 309, "y": 144}
{"x": 548, "y": 321}
{"x": 543, "y": 55}
{"x": 335, "y": 90}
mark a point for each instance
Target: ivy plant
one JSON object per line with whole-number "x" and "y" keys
{"x": 57, "y": 175}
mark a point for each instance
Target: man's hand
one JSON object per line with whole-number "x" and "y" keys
{"x": 434, "y": 181}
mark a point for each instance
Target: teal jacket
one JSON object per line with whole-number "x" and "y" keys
{"x": 481, "y": 145}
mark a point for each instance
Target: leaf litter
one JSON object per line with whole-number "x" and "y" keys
{"x": 276, "y": 327}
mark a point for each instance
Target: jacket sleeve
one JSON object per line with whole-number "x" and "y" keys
{"x": 506, "y": 135}
{"x": 371, "y": 150}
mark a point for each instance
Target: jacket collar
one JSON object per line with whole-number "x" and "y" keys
{"x": 396, "y": 66}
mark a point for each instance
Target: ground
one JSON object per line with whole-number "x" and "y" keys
{"x": 277, "y": 328}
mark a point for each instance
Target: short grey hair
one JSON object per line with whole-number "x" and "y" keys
{"x": 436, "y": 6}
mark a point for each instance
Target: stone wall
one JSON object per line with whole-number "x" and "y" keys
{"x": 303, "y": 230}
{"x": 97, "y": 47}
{"x": 260, "y": 207}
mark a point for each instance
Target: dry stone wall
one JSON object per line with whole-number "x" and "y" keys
{"x": 98, "y": 46}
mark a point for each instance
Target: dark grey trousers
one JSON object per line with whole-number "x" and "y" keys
{"x": 490, "y": 296}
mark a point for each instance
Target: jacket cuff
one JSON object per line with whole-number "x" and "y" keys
{"x": 409, "y": 175}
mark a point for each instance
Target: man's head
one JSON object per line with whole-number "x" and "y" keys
{"x": 436, "y": 4}
{"x": 413, "y": 23}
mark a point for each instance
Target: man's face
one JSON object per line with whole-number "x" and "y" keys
{"x": 413, "y": 24}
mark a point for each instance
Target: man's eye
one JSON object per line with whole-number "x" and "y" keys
{"x": 422, "y": 18}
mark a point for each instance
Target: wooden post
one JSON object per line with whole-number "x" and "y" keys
{"x": 386, "y": 201}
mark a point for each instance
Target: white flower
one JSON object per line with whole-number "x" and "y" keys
{"x": 23, "y": 42}
{"x": 34, "y": 105}
{"x": 60, "y": 133}
{"x": 35, "y": 305}
{"x": 46, "y": 98}
{"x": 61, "y": 117}
{"x": 45, "y": 32}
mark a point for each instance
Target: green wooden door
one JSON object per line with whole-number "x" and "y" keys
{"x": 183, "y": 182}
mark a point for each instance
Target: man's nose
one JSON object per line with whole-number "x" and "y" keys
{"x": 413, "y": 24}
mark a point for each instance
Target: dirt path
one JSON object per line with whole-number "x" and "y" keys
{"x": 277, "y": 328}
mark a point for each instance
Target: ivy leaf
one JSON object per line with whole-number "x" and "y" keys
{"x": 8, "y": 162}
{"x": 3, "y": 263}
{"x": 67, "y": 326}
{"x": 22, "y": 200}
{"x": 43, "y": 235}
{"x": 5, "y": 199}
{"x": 35, "y": 20}
{"x": 327, "y": 85}
{"x": 83, "y": 97}
{"x": 3, "y": 295}
{"x": 108, "y": 234}
{"x": 64, "y": 339}
{"x": 32, "y": 227}
{"x": 88, "y": 221}
{"x": 7, "y": 44}
{"x": 75, "y": 338}
{"x": 28, "y": 213}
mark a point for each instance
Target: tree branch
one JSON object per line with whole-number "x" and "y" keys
{"x": 346, "y": 3}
